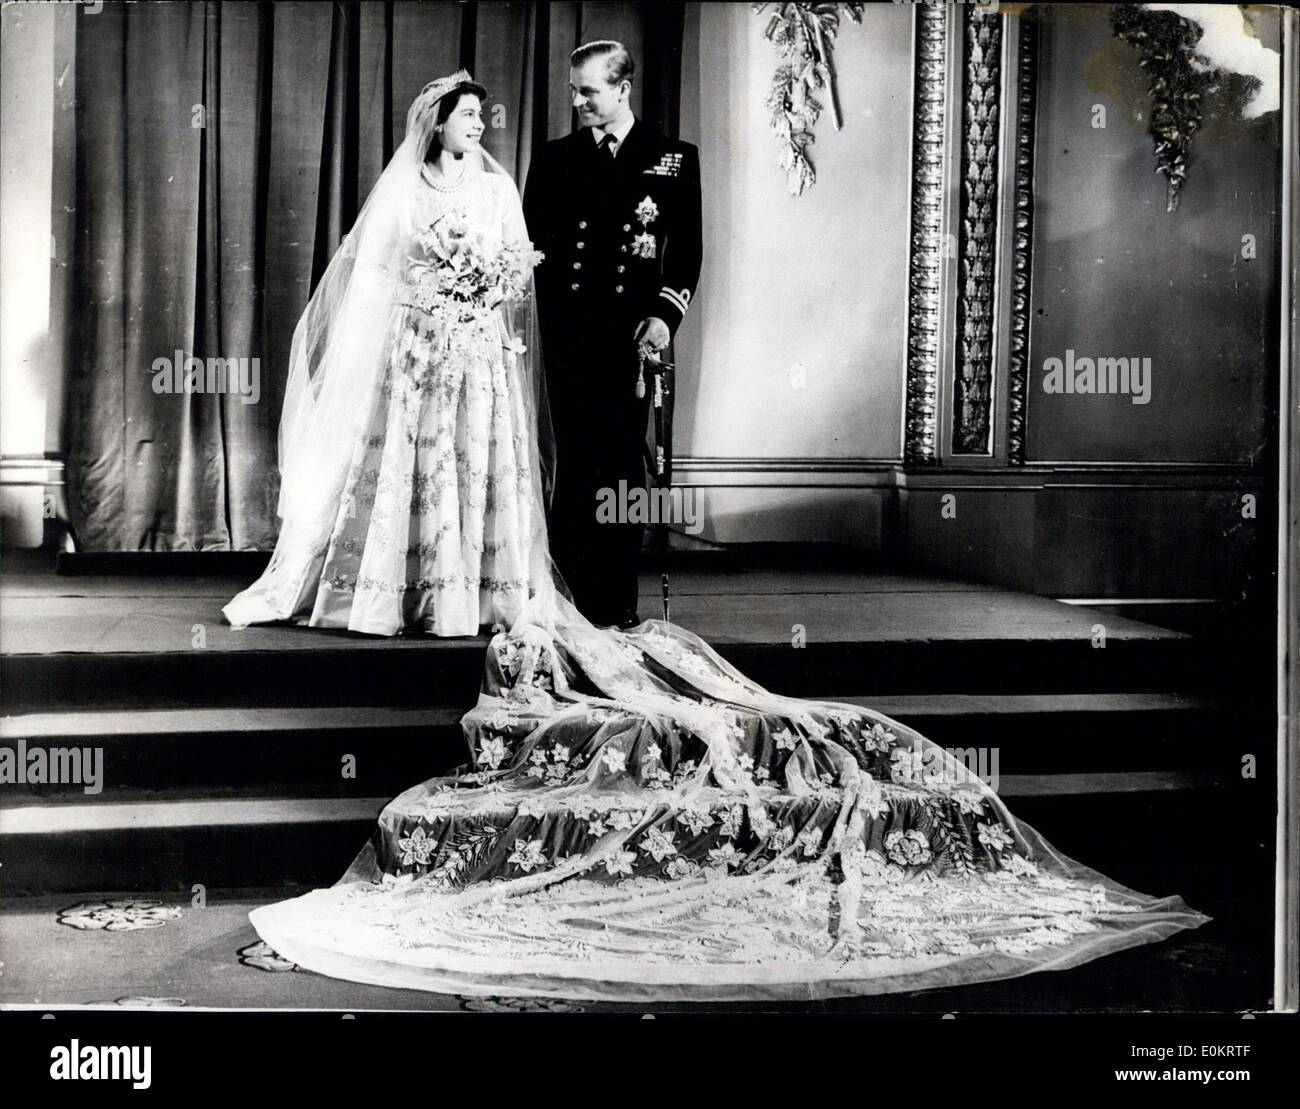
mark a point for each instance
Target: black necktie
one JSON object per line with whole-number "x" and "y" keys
{"x": 607, "y": 147}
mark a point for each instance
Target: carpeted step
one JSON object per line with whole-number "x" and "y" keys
{"x": 322, "y": 751}
{"x": 447, "y": 673}
{"x": 174, "y": 841}
{"x": 339, "y": 751}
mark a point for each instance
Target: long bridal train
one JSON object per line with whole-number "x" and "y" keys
{"x": 638, "y": 820}
{"x": 641, "y": 822}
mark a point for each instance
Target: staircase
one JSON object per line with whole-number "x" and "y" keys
{"x": 236, "y": 766}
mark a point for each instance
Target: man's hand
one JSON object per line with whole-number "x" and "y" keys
{"x": 653, "y": 332}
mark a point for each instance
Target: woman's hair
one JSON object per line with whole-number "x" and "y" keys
{"x": 446, "y": 106}
{"x": 619, "y": 63}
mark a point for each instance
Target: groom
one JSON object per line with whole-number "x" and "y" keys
{"x": 616, "y": 210}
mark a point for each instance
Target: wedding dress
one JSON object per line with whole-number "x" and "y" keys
{"x": 433, "y": 525}
{"x": 638, "y": 821}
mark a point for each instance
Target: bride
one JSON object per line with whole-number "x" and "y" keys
{"x": 639, "y": 820}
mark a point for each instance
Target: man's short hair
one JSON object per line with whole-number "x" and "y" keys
{"x": 619, "y": 64}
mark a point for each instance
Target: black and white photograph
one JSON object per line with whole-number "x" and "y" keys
{"x": 648, "y": 510}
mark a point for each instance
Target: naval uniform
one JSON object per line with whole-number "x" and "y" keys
{"x": 622, "y": 239}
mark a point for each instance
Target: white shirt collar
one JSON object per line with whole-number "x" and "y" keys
{"x": 619, "y": 133}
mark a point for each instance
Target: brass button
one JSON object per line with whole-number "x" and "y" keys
{"x": 627, "y": 227}
{"x": 581, "y": 245}
{"x": 577, "y": 265}
{"x": 625, "y": 248}
{"x": 574, "y": 286}
{"x": 618, "y": 288}
{"x": 621, "y": 268}
{"x": 582, "y": 224}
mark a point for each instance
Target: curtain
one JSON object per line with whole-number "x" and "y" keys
{"x": 222, "y": 151}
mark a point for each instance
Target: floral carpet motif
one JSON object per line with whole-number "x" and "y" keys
{"x": 119, "y": 915}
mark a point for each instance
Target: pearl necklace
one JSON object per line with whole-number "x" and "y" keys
{"x": 428, "y": 176}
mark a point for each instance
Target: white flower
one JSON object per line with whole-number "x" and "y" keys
{"x": 695, "y": 818}
{"x": 1018, "y": 865}
{"x": 658, "y": 842}
{"x": 879, "y": 738}
{"x": 969, "y": 801}
{"x": 876, "y": 872}
{"x": 810, "y": 841}
{"x": 614, "y": 759}
{"x": 623, "y": 819}
{"x": 786, "y": 740}
{"x": 499, "y": 720}
{"x": 681, "y": 867}
{"x": 685, "y": 770}
{"x": 417, "y": 847}
{"x": 994, "y": 837}
{"x": 493, "y": 752}
{"x": 783, "y": 837}
{"x": 910, "y": 848}
{"x": 759, "y": 821}
{"x": 527, "y": 854}
{"x": 873, "y": 803}
{"x": 620, "y": 862}
{"x": 726, "y": 856}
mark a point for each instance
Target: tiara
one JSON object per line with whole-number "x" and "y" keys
{"x": 436, "y": 90}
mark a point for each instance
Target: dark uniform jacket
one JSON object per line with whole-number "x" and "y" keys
{"x": 621, "y": 238}
{"x": 622, "y": 243}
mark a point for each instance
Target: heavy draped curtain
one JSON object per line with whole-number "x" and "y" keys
{"x": 222, "y": 151}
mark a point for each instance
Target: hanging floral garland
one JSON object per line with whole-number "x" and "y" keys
{"x": 1166, "y": 48}
{"x": 803, "y": 34}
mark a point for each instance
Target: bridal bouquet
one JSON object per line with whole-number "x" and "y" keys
{"x": 467, "y": 274}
